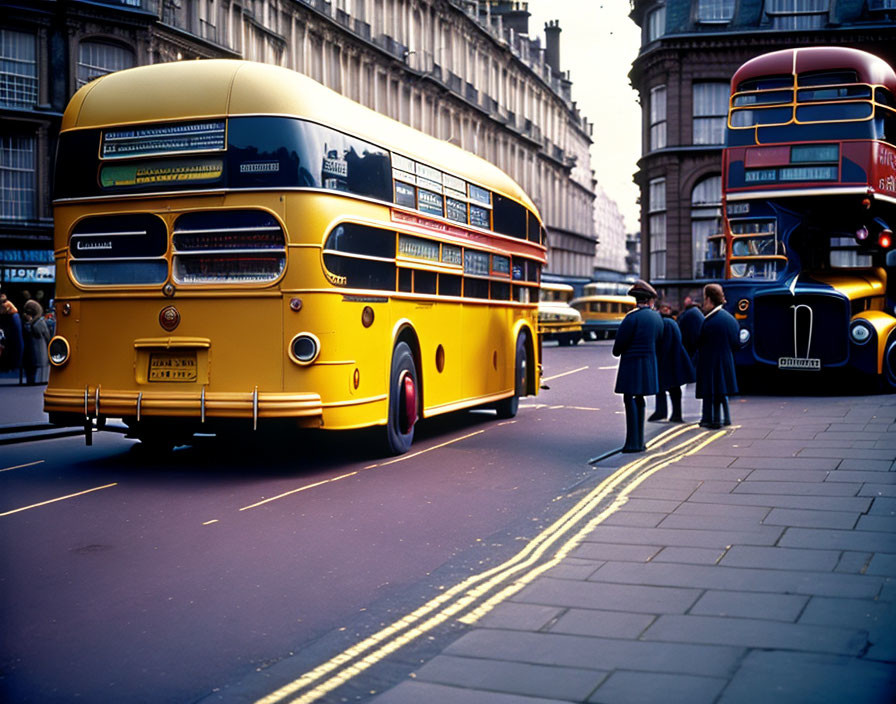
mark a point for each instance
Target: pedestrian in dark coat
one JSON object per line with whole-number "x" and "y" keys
{"x": 689, "y": 322}
{"x": 675, "y": 369}
{"x": 11, "y": 323}
{"x": 38, "y": 337}
{"x": 716, "y": 376}
{"x": 637, "y": 339}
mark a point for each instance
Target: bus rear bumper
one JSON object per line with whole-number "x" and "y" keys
{"x": 96, "y": 401}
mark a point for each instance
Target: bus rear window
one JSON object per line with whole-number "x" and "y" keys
{"x": 832, "y": 112}
{"x": 123, "y": 250}
{"x": 763, "y": 116}
{"x": 766, "y": 83}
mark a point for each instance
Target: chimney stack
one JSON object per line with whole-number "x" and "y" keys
{"x": 516, "y": 17}
{"x": 552, "y": 44}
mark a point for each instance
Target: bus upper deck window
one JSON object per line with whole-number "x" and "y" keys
{"x": 884, "y": 97}
{"x": 833, "y": 93}
{"x": 831, "y": 112}
{"x": 510, "y": 217}
{"x": 761, "y": 116}
{"x": 282, "y": 151}
{"x": 826, "y": 78}
{"x": 772, "y": 97}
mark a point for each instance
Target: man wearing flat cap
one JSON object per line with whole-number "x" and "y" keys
{"x": 637, "y": 339}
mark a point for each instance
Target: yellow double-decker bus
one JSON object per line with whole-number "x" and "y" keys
{"x": 603, "y": 305}
{"x": 557, "y": 320}
{"x": 236, "y": 243}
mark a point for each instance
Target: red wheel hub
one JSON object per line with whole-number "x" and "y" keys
{"x": 409, "y": 403}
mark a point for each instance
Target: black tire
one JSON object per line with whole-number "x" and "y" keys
{"x": 888, "y": 373}
{"x": 399, "y": 432}
{"x": 508, "y": 407}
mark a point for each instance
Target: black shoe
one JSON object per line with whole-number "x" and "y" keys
{"x": 676, "y": 419}
{"x": 713, "y": 426}
{"x": 656, "y": 416}
{"x": 632, "y": 449}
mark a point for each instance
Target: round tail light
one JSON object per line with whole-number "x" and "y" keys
{"x": 59, "y": 351}
{"x": 304, "y": 348}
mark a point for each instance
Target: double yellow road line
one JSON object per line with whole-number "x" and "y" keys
{"x": 473, "y": 598}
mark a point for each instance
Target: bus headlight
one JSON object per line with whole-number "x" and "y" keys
{"x": 744, "y": 336}
{"x": 860, "y": 333}
{"x": 304, "y": 348}
{"x": 59, "y": 351}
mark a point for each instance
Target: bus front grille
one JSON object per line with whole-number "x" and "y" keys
{"x": 802, "y": 326}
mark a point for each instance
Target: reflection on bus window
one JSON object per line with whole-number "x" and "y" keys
{"x": 845, "y": 254}
{"x": 278, "y": 151}
{"x": 756, "y": 270}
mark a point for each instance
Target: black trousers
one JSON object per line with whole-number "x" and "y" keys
{"x": 634, "y": 423}
{"x": 716, "y": 412}
{"x": 662, "y": 410}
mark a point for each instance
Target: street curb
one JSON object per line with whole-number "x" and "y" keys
{"x": 29, "y": 432}
{"x": 9, "y": 435}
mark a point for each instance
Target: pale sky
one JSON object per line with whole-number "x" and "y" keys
{"x": 598, "y": 43}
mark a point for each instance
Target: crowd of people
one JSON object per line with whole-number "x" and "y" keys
{"x": 25, "y": 333}
{"x": 659, "y": 354}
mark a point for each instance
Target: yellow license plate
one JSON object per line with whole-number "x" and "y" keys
{"x": 165, "y": 366}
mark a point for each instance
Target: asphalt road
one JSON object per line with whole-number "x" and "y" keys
{"x": 131, "y": 578}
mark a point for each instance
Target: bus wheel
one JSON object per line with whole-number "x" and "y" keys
{"x": 888, "y": 375}
{"x": 508, "y": 407}
{"x": 402, "y": 401}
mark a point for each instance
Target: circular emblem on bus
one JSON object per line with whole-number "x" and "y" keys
{"x": 743, "y": 305}
{"x": 169, "y": 318}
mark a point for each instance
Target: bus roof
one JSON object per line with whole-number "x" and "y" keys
{"x": 547, "y": 286}
{"x": 869, "y": 68}
{"x": 221, "y": 87}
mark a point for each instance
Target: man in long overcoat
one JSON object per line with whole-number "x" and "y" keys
{"x": 637, "y": 339}
{"x": 689, "y": 321}
{"x": 675, "y": 369}
{"x": 716, "y": 376}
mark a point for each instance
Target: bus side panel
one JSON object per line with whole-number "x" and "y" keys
{"x": 350, "y": 371}
{"x": 485, "y": 355}
{"x": 436, "y": 325}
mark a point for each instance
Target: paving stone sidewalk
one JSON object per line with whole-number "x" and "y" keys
{"x": 20, "y": 404}
{"x": 761, "y": 569}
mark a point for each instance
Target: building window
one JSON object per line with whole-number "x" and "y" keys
{"x": 706, "y": 219}
{"x": 18, "y": 69}
{"x": 656, "y": 205}
{"x": 656, "y": 23}
{"x": 17, "y": 189}
{"x": 710, "y": 111}
{"x": 657, "y": 117}
{"x": 715, "y": 11}
{"x": 797, "y": 14}
{"x": 96, "y": 59}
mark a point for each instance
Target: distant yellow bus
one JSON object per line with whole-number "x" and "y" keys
{"x": 603, "y": 307}
{"x": 238, "y": 245}
{"x": 556, "y": 319}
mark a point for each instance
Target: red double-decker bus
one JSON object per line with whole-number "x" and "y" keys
{"x": 809, "y": 188}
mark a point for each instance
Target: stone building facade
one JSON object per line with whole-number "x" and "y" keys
{"x": 689, "y": 51}
{"x": 609, "y": 261}
{"x": 465, "y": 71}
